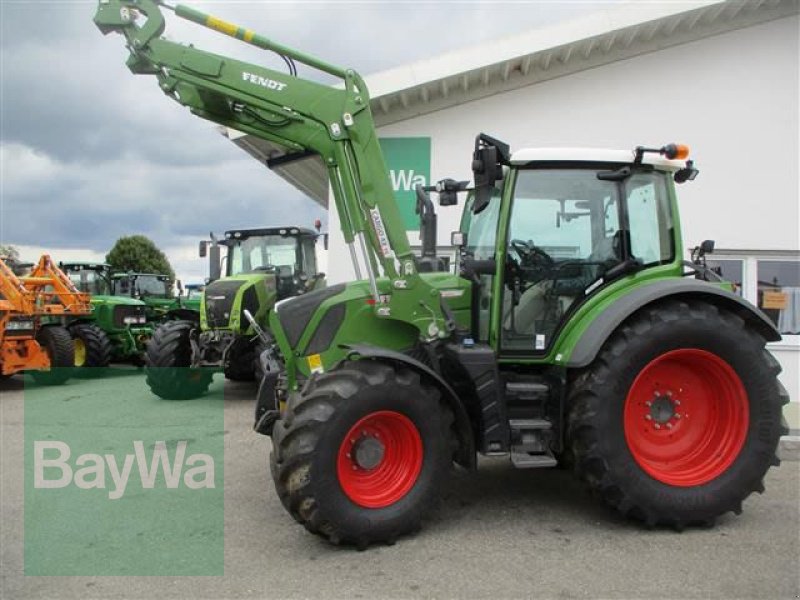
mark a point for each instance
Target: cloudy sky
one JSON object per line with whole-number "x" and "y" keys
{"x": 89, "y": 152}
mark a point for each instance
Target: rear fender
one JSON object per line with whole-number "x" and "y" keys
{"x": 609, "y": 320}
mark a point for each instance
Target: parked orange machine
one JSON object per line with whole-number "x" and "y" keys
{"x": 26, "y": 342}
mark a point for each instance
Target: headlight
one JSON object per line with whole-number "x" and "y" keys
{"x": 134, "y": 320}
{"x": 17, "y": 325}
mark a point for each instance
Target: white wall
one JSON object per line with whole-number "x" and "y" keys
{"x": 733, "y": 98}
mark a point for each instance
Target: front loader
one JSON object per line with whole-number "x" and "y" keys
{"x": 263, "y": 266}
{"x": 574, "y": 331}
{"x": 31, "y": 308}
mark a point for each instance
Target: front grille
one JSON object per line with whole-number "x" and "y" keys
{"x": 121, "y": 312}
{"x": 219, "y": 297}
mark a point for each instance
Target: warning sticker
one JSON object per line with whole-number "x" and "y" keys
{"x": 540, "y": 341}
{"x": 315, "y": 363}
{"x": 380, "y": 231}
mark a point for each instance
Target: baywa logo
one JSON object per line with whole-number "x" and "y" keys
{"x": 270, "y": 84}
{"x": 406, "y": 180}
{"x": 53, "y": 469}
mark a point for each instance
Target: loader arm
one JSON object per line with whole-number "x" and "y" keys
{"x": 46, "y": 291}
{"x": 301, "y": 116}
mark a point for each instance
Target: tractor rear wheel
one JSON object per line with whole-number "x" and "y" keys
{"x": 168, "y": 360}
{"x": 361, "y": 455}
{"x": 92, "y": 349}
{"x": 678, "y": 419}
{"x": 57, "y": 343}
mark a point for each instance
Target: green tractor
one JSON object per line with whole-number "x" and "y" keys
{"x": 574, "y": 332}
{"x": 263, "y": 266}
{"x": 154, "y": 289}
{"x": 116, "y": 330}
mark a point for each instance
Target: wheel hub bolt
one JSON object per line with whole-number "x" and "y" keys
{"x": 657, "y": 426}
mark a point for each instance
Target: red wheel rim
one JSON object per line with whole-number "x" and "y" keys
{"x": 380, "y": 459}
{"x": 686, "y": 417}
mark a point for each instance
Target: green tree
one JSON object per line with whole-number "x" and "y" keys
{"x": 138, "y": 253}
{"x": 9, "y": 251}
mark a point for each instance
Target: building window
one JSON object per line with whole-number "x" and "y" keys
{"x": 779, "y": 293}
{"x": 729, "y": 270}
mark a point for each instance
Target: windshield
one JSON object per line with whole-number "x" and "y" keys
{"x": 481, "y": 228}
{"x": 89, "y": 281}
{"x": 285, "y": 254}
{"x": 194, "y": 293}
{"x": 570, "y": 214}
{"x": 143, "y": 285}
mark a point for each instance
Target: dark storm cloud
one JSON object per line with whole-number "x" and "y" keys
{"x": 91, "y": 152}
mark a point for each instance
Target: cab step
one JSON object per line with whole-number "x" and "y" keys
{"x": 531, "y": 449}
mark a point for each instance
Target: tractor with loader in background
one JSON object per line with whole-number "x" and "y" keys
{"x": 117, "y": 329}
{"x": 262, "y": 266}
{"x": 31, "y": 336}
{"x": 574, "y": 331}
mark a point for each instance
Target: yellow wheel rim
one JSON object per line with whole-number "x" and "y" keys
{"x": 80, "y": 352}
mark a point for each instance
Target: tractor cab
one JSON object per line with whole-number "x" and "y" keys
{"x": 288, "y": 253}
{"x": 142, "y": 285}
{"x": 155, "y": 290}
{"x": 88, "y": 277}
{"x": 564, "y": 224}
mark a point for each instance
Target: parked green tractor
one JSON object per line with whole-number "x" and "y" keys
{"x": 263, "y": 266}
{"x": 154, "y": 289}
{"x": 574, "y": 331}
{"x": 116, "y": 330}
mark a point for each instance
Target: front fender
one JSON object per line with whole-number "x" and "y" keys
{"x": 602, "y": 326}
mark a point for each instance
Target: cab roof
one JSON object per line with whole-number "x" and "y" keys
{"x": 121, "y": 275}
{"x": 73, "y": 264}
{"x": 287, "y": 231}
{"x": 525, "y": 156}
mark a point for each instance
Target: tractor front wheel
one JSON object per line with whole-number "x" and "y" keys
{"x": 168, "y": 363}
{"x": 92, "y": 349}
{"x": 57, "y": 343}
{"x": 678, "y": 419}
{"x": 239, "y": 365}
{"x": 361, "y": 454}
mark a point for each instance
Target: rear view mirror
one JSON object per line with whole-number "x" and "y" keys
{"x": 203, "y": 250}
{"x": 214, "y": 265}
{"x": 487, "y": 167}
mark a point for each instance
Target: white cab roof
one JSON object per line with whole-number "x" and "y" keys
{"x": 526, "y": 155}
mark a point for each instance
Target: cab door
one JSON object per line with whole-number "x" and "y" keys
{"x": 562, "y": 232}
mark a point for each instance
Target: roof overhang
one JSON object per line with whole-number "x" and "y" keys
{"x": 609, "y": 35}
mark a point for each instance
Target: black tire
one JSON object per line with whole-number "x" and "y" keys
{"x": 604, "y": 444}
{"x": 240, "y": 360}
{"x": 57, "y": 343}
{"x": 167, "y": 363}
{"x": 97, "y": 349}
{"x": 307, "y": 443}
{"x": 258, "y": 368}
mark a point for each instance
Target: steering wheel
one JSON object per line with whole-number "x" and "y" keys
{"x": 531, "y": 255}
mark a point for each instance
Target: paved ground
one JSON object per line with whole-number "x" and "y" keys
{"x": 502, "y": 533}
